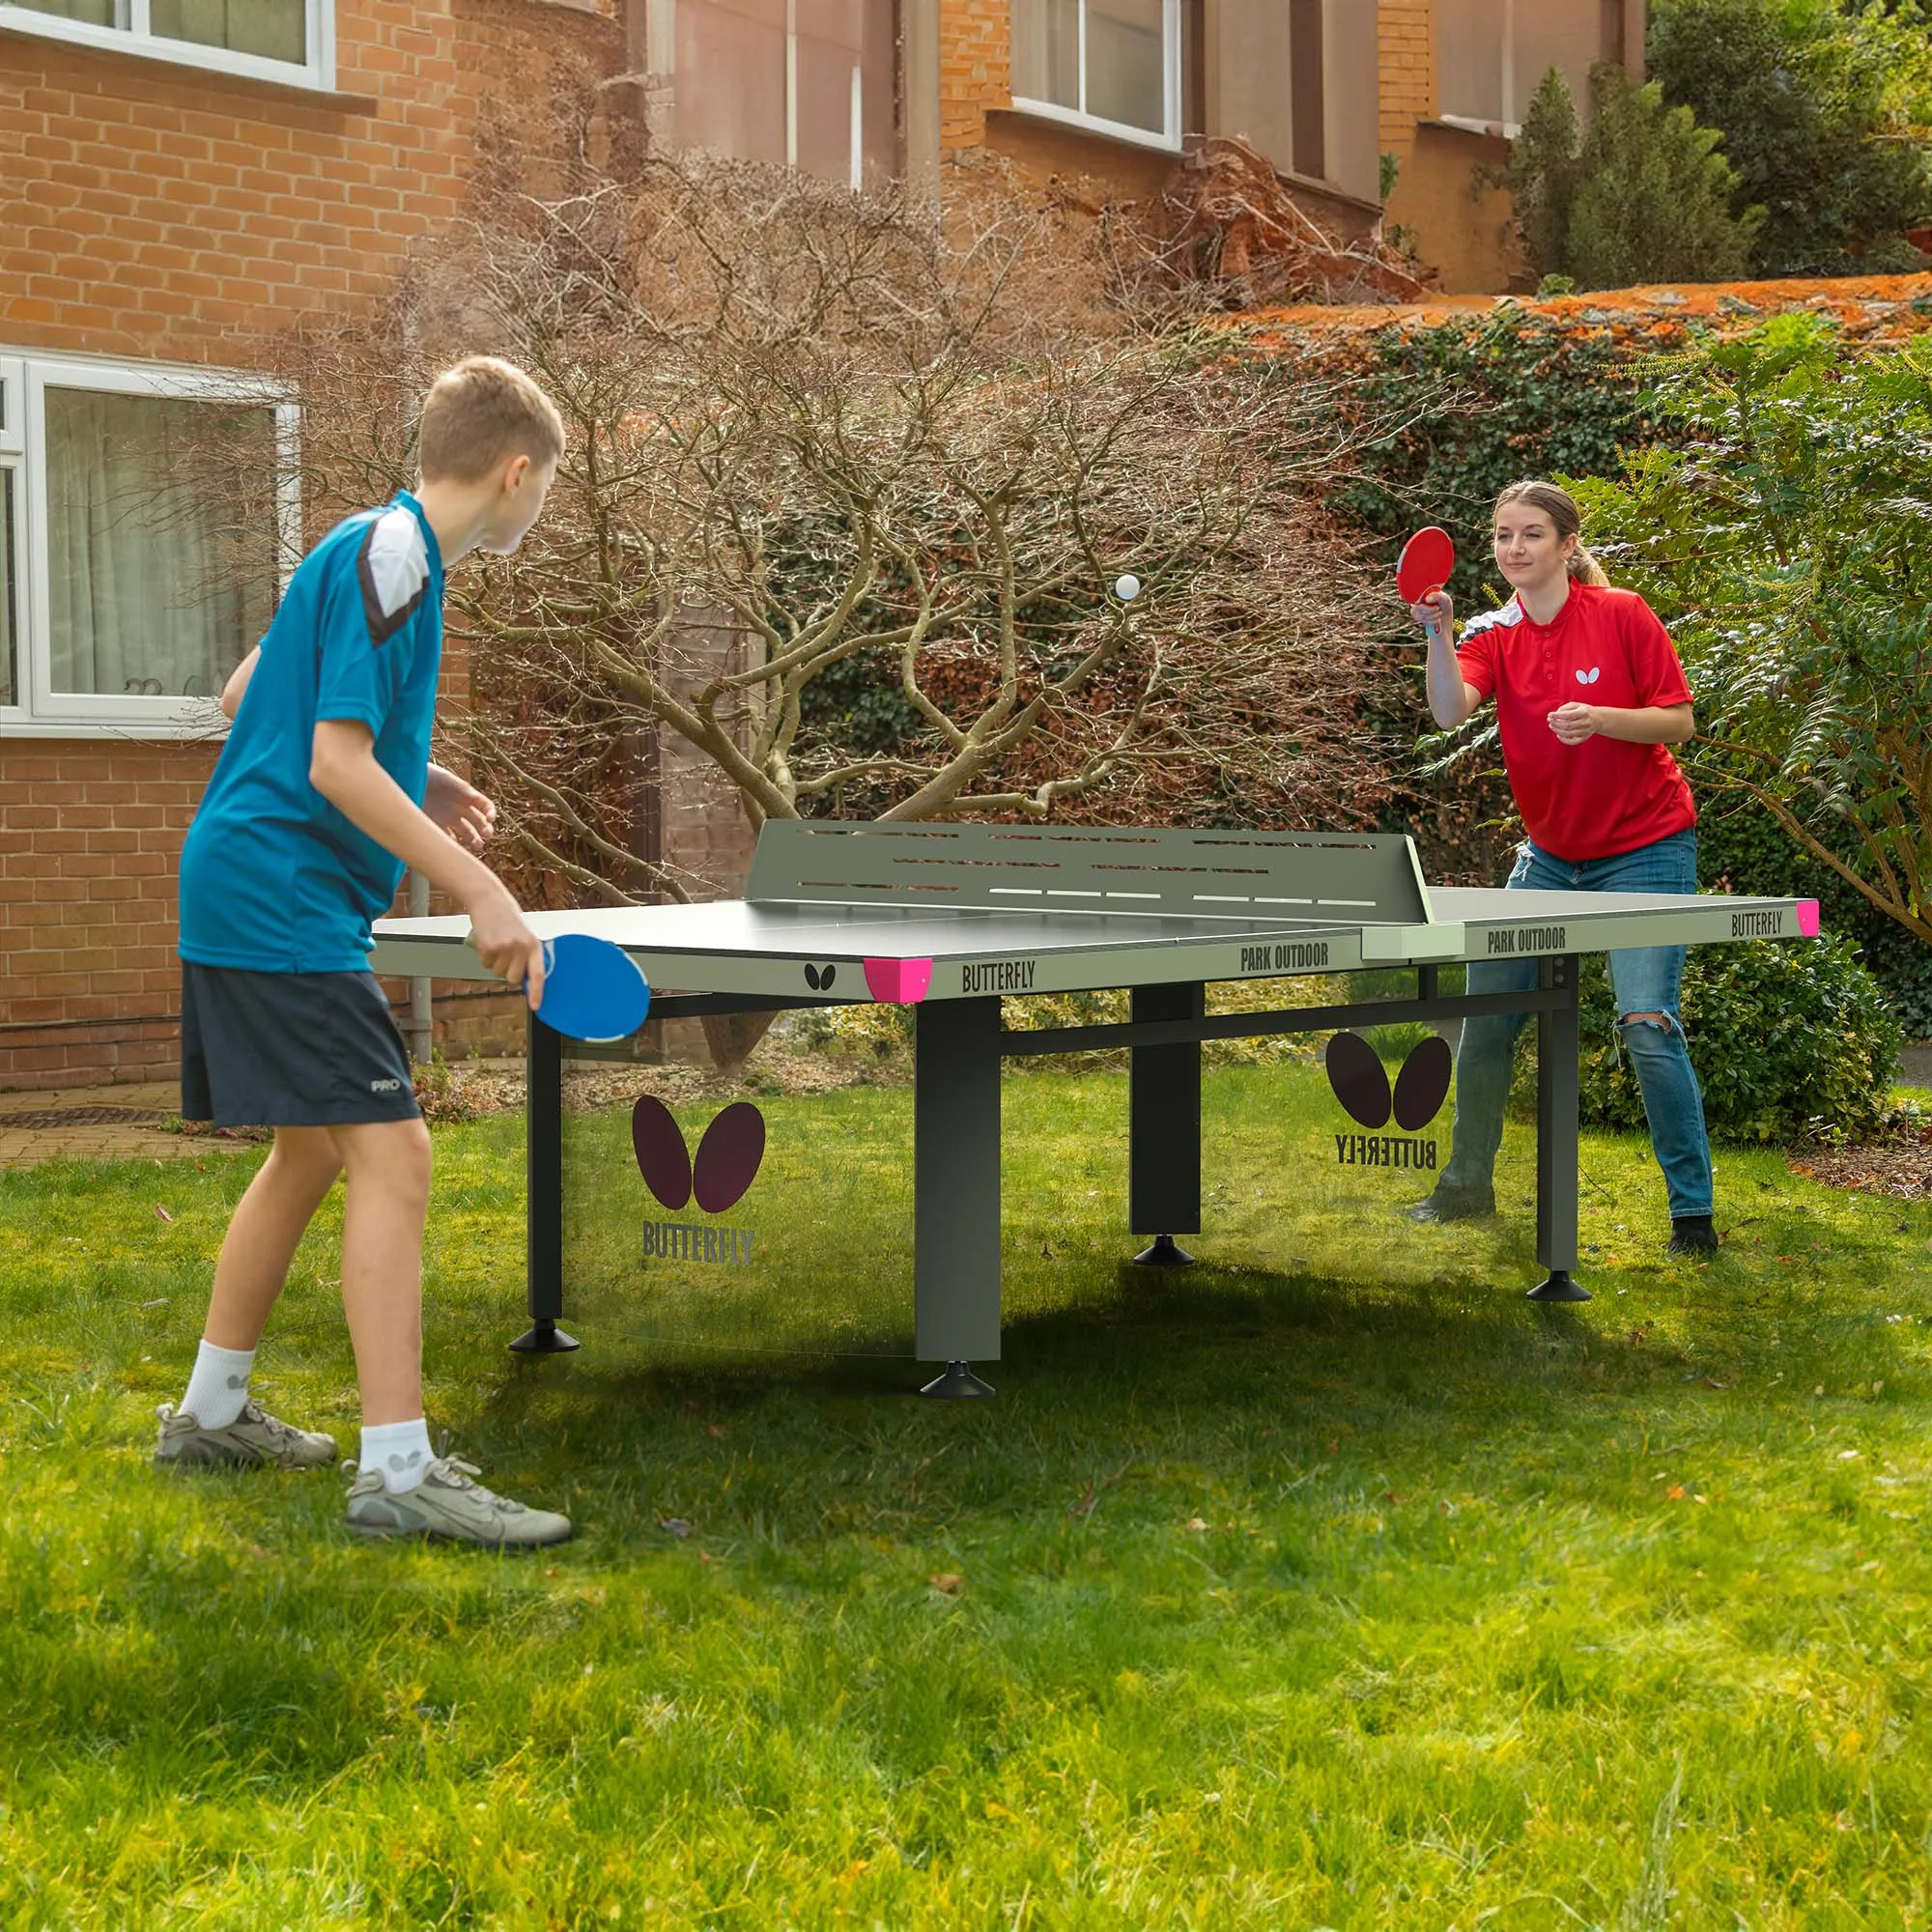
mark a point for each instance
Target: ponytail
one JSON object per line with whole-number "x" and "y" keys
{"x": 1565, "y": 518}
{"x": 1585, "y": 569}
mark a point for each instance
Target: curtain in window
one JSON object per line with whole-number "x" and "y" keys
{"x": 1126, "y": 47}
{"x": 160, "y": 580}
{"x": 730, "y": 67}
{"x": 94, "y": 12}
{"x": 274, "y": 29}
{"x": 10, "y": 651}
{"x": 1046, "y": 51}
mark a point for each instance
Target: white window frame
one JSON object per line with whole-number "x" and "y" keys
{"x": 1168, "y": 140}
{"x": 39, "y": 711}
{"x": 13, "y": 464}
{"x": 133, "y": 34}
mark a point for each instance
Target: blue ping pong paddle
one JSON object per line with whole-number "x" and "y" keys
{"x": 593, "y": 990}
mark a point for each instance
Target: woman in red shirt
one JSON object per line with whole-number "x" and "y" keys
{"x": 1589, "y": 698}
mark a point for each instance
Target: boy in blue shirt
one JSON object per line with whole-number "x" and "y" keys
{"x": 323, "y": 795}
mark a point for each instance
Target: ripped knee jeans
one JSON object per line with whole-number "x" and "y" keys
{"x": 1648, "y": 983}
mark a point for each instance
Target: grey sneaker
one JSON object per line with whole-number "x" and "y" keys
{"x": 448, "y": 1507}
{"x": 254, "y": 1439}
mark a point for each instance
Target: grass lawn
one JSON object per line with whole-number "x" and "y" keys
{"x": 1330, "y": 1583}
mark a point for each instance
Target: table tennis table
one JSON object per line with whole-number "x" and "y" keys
{"x": 950, "y": 919}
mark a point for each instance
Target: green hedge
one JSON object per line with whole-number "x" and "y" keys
{"x": 1792, "y": 1042}
{"x": 1482, "y": 404}
{"x": 1741, "y": 850}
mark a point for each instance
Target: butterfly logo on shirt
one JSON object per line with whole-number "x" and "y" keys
{"x": 727, "y": 1156}
{"x": 1591, "y": 675}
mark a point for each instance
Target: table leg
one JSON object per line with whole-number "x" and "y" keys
{"x": 543, "y": 1144}
{"x": 1164, "y": 1126}
{"x": 957, "y": 1190}
{"x": 1558, "y": 1051}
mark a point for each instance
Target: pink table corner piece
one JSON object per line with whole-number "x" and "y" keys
{"x": 1807, "y": 917}
{"x": 899, "y": 982}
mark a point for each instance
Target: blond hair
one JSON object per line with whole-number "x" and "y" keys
{"x": 478, "y": 415}
{"x": 1560, "y": 508}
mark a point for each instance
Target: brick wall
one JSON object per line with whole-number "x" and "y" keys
{"x": 1407, "y": 37}
{"x": 89, "y": 837}
{"x": 153, "y": 212}
{"x": 975, "y": 68}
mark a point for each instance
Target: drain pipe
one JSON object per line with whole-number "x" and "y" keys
{"x": 421, "y": 1028}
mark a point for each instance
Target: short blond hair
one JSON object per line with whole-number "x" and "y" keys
{"x": 481, "y": 412}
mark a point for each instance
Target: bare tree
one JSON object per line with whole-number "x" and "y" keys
{"x": 850, "y": 495}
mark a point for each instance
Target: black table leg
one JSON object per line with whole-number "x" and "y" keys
{"x": 1164, "y": 1126}
{"x": 957, "y": 1190}
{"x": 543, "y": 1141}
{"x": 1559, "y": 1052}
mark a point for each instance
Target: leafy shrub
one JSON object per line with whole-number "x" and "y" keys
{"x": 1823, "y": 107}
{"x": 1784, "y": 542}
{"x": 1644, "y": 196}
{"x": 1479, "y": 404}
{"x": 1791, "y": 1042}
{"x": 1740, "y": 849}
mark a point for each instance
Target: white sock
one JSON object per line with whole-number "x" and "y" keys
{"x": 400, "y": 1449}
{"x": 218, "y": 1387}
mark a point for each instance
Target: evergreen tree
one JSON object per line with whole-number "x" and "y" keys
{"x": 1825, "y": 106}
{"x": 1644, "y": 196}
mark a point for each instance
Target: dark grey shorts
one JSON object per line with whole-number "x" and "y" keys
{"x": 290, "y": 1050}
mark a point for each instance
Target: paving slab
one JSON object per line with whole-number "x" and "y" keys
{"x": 127, "y": 1123}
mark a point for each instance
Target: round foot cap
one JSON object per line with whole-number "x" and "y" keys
{"x": 544, "y": 1338}
{"x": 1560, "y": 1287}
{"x": 957, "y": 1384}
{"x": 1166, "y": 1253}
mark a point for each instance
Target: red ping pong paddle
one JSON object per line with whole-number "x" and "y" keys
{"x": 1423, "y": 568}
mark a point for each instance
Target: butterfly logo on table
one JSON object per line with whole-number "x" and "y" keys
{"x": 728, "y": 1161}
{"x": 1361, "y": 1083}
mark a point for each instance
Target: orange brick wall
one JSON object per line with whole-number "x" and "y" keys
{"x": 1405, "y": 31}
{"x": 975, "y": 40}
{"x": 90, "y": 841}
{"x": 154, "y": 211}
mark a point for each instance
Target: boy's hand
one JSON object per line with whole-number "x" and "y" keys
{"x": 459, "y": 808}
{"x": 506, "y": 944}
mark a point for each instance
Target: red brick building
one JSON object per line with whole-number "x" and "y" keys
{"x": 181, "y": 178}
{"x": 170, "y": 186}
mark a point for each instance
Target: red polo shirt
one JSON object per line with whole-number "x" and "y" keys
{"x": 1604, "y": 796}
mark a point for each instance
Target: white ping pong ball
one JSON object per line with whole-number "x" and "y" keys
{"x": 1126, "y": 588}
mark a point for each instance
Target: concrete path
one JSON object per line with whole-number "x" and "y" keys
{"x": 98, "y": 1124}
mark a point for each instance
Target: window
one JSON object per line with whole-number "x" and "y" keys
{"x": 1492, "y": 54}
{"x": 290, "y": 40}
{"x": 809, "y": 83}
{"x": 1110, "y": 64}
{"x": 1308, "y": 89}
{"x": 145, "y": 517}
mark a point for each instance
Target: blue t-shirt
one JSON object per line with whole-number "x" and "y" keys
{"x": 274, "y": 878}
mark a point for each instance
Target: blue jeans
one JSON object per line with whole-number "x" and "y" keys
{"x": 1646, "y": 979}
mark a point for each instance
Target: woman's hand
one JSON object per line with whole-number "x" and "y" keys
{"x": 1435, "y": 612}
{"x": 459, "y": 808}
{"x": 1574, "y": 722}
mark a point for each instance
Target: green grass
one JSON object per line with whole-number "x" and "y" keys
{"x": 1330, "y": 1583}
